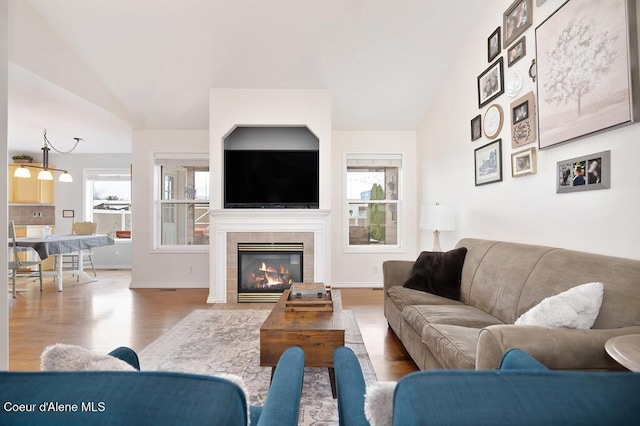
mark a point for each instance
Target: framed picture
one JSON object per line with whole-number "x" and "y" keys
{"x": 523, "y": 125}
{"x": 68, "y": 213}
{"x": 584, "y": 173}
{"x": 488, "y": 163}
{"x": 584, "y": 88}
{"x": 523, "y": 163}
{"x": 516, "y": 19}
{"x": 476, "y": 127}
{"x": 493, "y": 45}
{"x": 517, "y": 51}
{"x": 493, "y": 119}
{"x": 491, "y": 83}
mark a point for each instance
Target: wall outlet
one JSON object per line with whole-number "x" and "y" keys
{"x": 35, "y": 214}
{"x": 191, "y": 269}
{"x": 39, "y": 214}
{"x": 376, "y": 269}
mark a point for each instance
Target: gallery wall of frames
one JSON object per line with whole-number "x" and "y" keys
{"x": 582, "y": 63}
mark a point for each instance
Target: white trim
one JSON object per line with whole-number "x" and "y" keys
{"x": 357, "y": 285}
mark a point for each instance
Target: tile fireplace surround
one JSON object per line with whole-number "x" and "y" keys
{"x": 230, "y": 226}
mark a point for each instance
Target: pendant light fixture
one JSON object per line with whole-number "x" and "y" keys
{"x": 46, "y": 171}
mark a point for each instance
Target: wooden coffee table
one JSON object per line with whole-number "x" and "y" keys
{"x": 318, "y": 333}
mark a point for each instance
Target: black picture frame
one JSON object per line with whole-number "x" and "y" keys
{"x": 517, "y": 51}
{"x": 491, "y": 83}
{"x": 476, "y": 127}
{"x": 493, "y": 45}
{"x": 68, "y": 213}
{"x": 488, "y": 163}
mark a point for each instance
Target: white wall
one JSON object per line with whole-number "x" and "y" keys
{"x": 525, "y": 209}
{"x": 232, "y": 107}
{"x": 4, "y": 92}
{"x": 151, "y": 268}
{"x": 70, "y": 196}
{"x": 365, "y": 269}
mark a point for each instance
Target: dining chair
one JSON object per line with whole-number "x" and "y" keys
{"x": 18, "y": 261}
{"x": 71, "y": 259}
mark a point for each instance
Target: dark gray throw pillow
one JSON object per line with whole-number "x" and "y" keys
{"x": 438, "y": 273}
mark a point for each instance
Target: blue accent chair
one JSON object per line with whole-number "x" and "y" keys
{"x": 146, "y": 397}
{"x": 522, "y": 392}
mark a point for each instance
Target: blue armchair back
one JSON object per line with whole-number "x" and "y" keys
{"x": 522, "y": 392}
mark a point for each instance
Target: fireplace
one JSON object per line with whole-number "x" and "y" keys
{"x": 265, "y": 270}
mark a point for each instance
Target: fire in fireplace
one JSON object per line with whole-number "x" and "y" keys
{"x": 265, "y": 270}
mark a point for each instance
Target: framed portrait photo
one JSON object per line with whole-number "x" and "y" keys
{"x": 517, "y": 51}
{"x": 585, "y": 88}
{"x": 523, "y": 124}
{"x": 476, "y": 127}
{"x": 516, "y": 19}
{"x": 491, "y": 83}
{"x": 488, "y": 163}
{"x": 493, "y": 45}
{"x": 584, "y": 173}
{"x": 523, "y": 162}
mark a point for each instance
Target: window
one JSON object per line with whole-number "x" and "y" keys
{"x": 108, "y": 200}
{"x": 182, "y": 200}
{"x": 373, "y": 200}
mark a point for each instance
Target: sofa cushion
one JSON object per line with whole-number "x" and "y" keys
{"x": 418, "y": 316}
{"x": 577, "y": 307}
{"x": 438, "y": 273}
{"x": 402, "y": 296}
{"x": 454, "y": 347}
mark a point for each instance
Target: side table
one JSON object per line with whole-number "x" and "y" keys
{"x": 626, "y": 350}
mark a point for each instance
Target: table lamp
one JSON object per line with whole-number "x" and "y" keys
{"x": 437, "y": 218}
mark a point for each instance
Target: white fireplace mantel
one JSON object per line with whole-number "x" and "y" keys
{"x": 224, "y": 221}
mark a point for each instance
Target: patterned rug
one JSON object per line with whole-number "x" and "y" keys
{"x": 228, "y": 341}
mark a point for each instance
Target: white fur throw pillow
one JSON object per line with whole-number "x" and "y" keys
{"x": 61, "y": 357}
{"x": 378, "y": 403}
{"x": 577, "y": 307}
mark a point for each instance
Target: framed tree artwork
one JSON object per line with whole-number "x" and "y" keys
{"x": 586, "y": 70}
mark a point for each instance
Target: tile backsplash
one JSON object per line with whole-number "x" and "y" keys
{"x": 24, "y": 215}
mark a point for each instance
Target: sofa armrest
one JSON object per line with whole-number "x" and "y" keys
{"x": 556, "y": 348}
{"x": 283, "y": 400}
{"x": 350, "y": 388}
{"x": 396, "y": 272}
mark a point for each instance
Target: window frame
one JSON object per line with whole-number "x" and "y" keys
{"x": 87, "y": 211}
{"x": 400, "y": 213}
{"x": 158, "y": 202}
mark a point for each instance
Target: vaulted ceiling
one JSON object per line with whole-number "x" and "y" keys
{"x": 97, "y": 69}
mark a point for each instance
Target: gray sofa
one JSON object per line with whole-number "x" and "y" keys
{"x": 501, "y": 281}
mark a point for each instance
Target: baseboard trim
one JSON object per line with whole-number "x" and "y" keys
{"x": 356, "y": 285}
{"x": 167, "y": 285}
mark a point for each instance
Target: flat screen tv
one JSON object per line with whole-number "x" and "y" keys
{"x": 271, "y": 179}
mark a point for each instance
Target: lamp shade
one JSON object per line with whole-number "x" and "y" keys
{"x": 22, "y": 172}
{"x": 45, "y": 175}
{"x": 437, "y": 218}
{"x": 65, "y": 177}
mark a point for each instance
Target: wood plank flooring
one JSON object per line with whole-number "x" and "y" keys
{"x": 106, "y": 314}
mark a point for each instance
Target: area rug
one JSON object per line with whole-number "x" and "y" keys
{"x": 228, "y": 341}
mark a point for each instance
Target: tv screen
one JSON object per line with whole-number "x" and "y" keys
{"x": 271, "y": 179}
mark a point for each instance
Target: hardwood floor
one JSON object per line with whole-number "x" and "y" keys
{"x": 106, "y": 314}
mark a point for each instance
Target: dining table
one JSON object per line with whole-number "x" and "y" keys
{"x": 54, "y": 244}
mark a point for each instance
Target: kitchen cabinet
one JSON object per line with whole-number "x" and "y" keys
{"x": 29, "y": 190}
